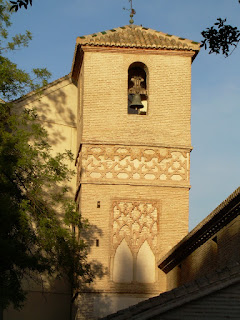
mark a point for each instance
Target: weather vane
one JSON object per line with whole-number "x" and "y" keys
{"x": 132, "y": 12}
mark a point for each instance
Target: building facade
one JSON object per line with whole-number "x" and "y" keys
{"x": 203, "y": 272}
{"x": 133, "y": 166}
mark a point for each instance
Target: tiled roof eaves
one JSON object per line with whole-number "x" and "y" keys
{"x": 137, "y": 37}
{"x": 137, "y": 46}
{"x": 220, "y": 217}
{"x": 177, "y": 297}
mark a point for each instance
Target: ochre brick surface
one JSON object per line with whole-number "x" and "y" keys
{"x": 215, "y": 253}
{"x": 105, "y": 116}
{"x": 133, "y": 160}
{"x": 173, "y": 226}
{"x": 229, "y": 242}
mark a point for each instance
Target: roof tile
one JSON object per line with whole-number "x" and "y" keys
{"x": 138, "y": 37}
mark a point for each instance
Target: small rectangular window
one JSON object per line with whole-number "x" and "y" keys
{"x": 97, "y": 243}
{"x": 98, "y": 204}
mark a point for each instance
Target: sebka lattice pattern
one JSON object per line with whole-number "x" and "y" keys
{"x": 135, "y": 221}
{"x": 137, "y": 164}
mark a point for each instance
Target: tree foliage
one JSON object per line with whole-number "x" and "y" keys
{"x": 39, "y": 222}
{"x": 32, "y": 194}
{"x": 15, "y": 82}
{"x": 221, "y": 38}
{"x": 19, "y": 4}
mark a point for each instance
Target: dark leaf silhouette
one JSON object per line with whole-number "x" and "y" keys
{"x": 221, "y": 39}
{"x": 19, "y": 4}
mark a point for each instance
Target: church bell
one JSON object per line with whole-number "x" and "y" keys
{"x": 136, "y": 102}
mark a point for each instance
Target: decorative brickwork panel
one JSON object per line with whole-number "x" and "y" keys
{"x": 139, "y": 165}
{"x": 135, "y": 221}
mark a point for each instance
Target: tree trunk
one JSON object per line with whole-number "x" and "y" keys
{"x": 1, "y": 313}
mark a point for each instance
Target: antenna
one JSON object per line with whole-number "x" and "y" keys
{"x": 132, "y": 12}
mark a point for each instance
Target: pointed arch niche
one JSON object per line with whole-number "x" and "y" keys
{"x": 145, "y": 264}
{"x": 123, "y": 264}
{"x": 138, "y": 84}
{"x": 134, "y": 241}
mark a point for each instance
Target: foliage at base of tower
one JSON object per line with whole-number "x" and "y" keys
{"x": 38, "y": 221}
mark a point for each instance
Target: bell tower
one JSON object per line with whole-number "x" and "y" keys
{"x": 133, "y": 164}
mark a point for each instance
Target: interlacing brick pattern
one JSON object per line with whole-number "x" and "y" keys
{"x": 134, "y": 163}
{"x": 135, "y": 221}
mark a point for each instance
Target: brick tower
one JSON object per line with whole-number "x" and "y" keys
{"x": 133, "y": 164}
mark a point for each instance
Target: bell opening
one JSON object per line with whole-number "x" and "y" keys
{"x": 137, "y": 88}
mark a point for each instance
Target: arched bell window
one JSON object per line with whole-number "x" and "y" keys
{"x": 137, "y": 88}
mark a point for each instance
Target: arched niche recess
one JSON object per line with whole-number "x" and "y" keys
{"x": 138, "y": 84}
{"x": 123, "y": 264}
{"x": 145, "y": 264}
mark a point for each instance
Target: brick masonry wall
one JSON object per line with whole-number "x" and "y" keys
{"x": 157, "y": 178}
{"x": 105, "y": 116}
{"x": 172, "y": 224}
{"x": 218, "y": 251}
{"x": 229, "y": 242}
{"x": 203, "y": 260}
{"x": 92, "y": 306}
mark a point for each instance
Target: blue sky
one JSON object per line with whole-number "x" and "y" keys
{"x": 215, "y": 171}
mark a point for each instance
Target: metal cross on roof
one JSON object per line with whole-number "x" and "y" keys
{"x": 132, "y": 12}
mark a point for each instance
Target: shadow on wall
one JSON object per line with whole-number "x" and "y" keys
{"x": 202, "y": 261}
{"x": 57, "y": 117}
{"x": 91, "y": 306}
{"x": 57, "y": 108}
{"x": 215, "y": 253}
{"x": 97, "y": 271}
{"x": 133, "y": 279}
{"x": 84, "y": 303}
{"x": 51, "y": 298}
{"x": 134, "y": 266}
{"x": 46, "y": 299}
